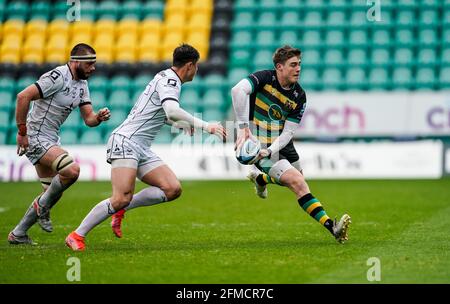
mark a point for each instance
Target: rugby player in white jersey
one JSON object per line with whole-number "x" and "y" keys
{"x": 54, "y": 96}
{"x": 129, "y": 148}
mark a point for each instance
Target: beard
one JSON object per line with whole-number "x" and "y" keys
{"x": 81, "y": 74}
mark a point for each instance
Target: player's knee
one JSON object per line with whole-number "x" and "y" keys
{"x": 295, "y": 181}
{"x": 121, "y": 201}
{"x": 71, "y": 173}
{"x": 173, "y": 191}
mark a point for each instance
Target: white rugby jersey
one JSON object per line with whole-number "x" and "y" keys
{"x": 60, "y": 94}
{"x": 147, "y": 115}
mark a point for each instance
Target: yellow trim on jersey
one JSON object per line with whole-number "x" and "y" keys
{"x": 261, "y": 104}
{"x": 268, "y": 126}
{"x": 265, "y": 140}
{"x": 283, "y": 99}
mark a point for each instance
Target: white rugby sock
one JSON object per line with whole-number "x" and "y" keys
{"x": 98, "y": 214}
{"x": 147, "y": 197}
{"x": 53, "y": 193}
{"x": 26, "y": 222}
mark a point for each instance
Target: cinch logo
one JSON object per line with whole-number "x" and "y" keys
{"x": 438, "y": 118}
{"x": 275, "y": 112}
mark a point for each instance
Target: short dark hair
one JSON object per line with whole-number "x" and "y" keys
{"x": 82, "y": 49}
{"x": 285, "y": 53}
{"x": 183, "y": 54}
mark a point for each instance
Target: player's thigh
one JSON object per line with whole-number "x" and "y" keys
{"x": 162, "y": 177}
{"x": 49, "y": 157}
{"x": 123, "y": 181}
{"x": 44, "y": 171}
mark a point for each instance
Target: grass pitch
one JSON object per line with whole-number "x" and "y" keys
{"x": 220, "y": 232}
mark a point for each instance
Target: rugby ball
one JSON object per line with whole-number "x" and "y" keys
{"x": 248, "y": 152}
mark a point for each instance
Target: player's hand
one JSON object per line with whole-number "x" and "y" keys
{"x": 217, "y": 129}
{"x": 263, "y": 153}
{"x": 103, "y": 114}
{"x": 242, "y": 135}
{"x": 22, "y": 144}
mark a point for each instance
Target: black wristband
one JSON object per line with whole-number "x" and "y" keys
{"x": 243, "y": 125}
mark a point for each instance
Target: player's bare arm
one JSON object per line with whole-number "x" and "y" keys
{"x": 93, "y": 119}
{"x": 24, "y": 99}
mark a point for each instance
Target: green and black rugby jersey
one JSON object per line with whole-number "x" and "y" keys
{"x": 271, "y": 105}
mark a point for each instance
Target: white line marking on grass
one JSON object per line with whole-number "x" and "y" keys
{"x": 3, "y": 209}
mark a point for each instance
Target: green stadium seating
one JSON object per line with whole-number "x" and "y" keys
{"x": 88, "y": 10}
{"x": 121, "y": 82}
{"x": 425, "y": 78}
{"x": 332, "y": 78}
{"x": 427, "y": 37}
{"x": 380, "y": 56}
{"x": 333, "y": 57}
{"x": 7, "y": 100}
{"x": 444, "y": 82}
{"x": 311, "y": 38}
{"x": 73, "y": 121}
{"x": 59, "y": 10}
{"x": 381, "y": 37}
{"x": 242, "y": 39}
{"x": 245, "y": 5}
{"x": 240, "y": 58}
{"x": 131, "y": 9}
{"x": 357, "y": 57}
{"x": 266, "y": 39}
{"x": 212, "y": 115}
{"x": 309, "y": 78}
{"x": 4, "y": 118}
{"x": 358, "y": 19}
{"x": 263, "y": 60}
{"x": 7, "y": 84}
{"x": 336, "y": 19}
{"x": 406, "y": 18}
{"x": 445, "y": 58}
{"x": 108, "y": 9}
{"x": 267, "y": 20}
{"x": 292, "y": 5}
{"x": 118, "y": 115}
{"x": 334, "y": 38}
{"x": 140, "y": 82}
{"x": 356, "y": 78}
{"x": 379, "y": 78}
{"x": 3, "y": 136}
{"x": 235, "y": 75}
{"x": 288, "y": 37}
{"x": 213, "y": 99}
{"x": 17, "y": 9}
{"x": 165, "y": 135}
{"x": 99, "y": 99}
{"x": 69, "y": 136}
{"x": 99, "y": 83}
{"x": 402, "y": 78}
{"x": 153, "y": 9}
{"x": 92, "y": 137}
{"x": 403, "y": 56}
{"x": 40, "y": 10}
{"x": 243, "y": 21}
{"x": 120, "y": 98}
{"x": 24, "y": 82}
{"x": 290, "y": 20}
{"x": 190, "y": 100}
